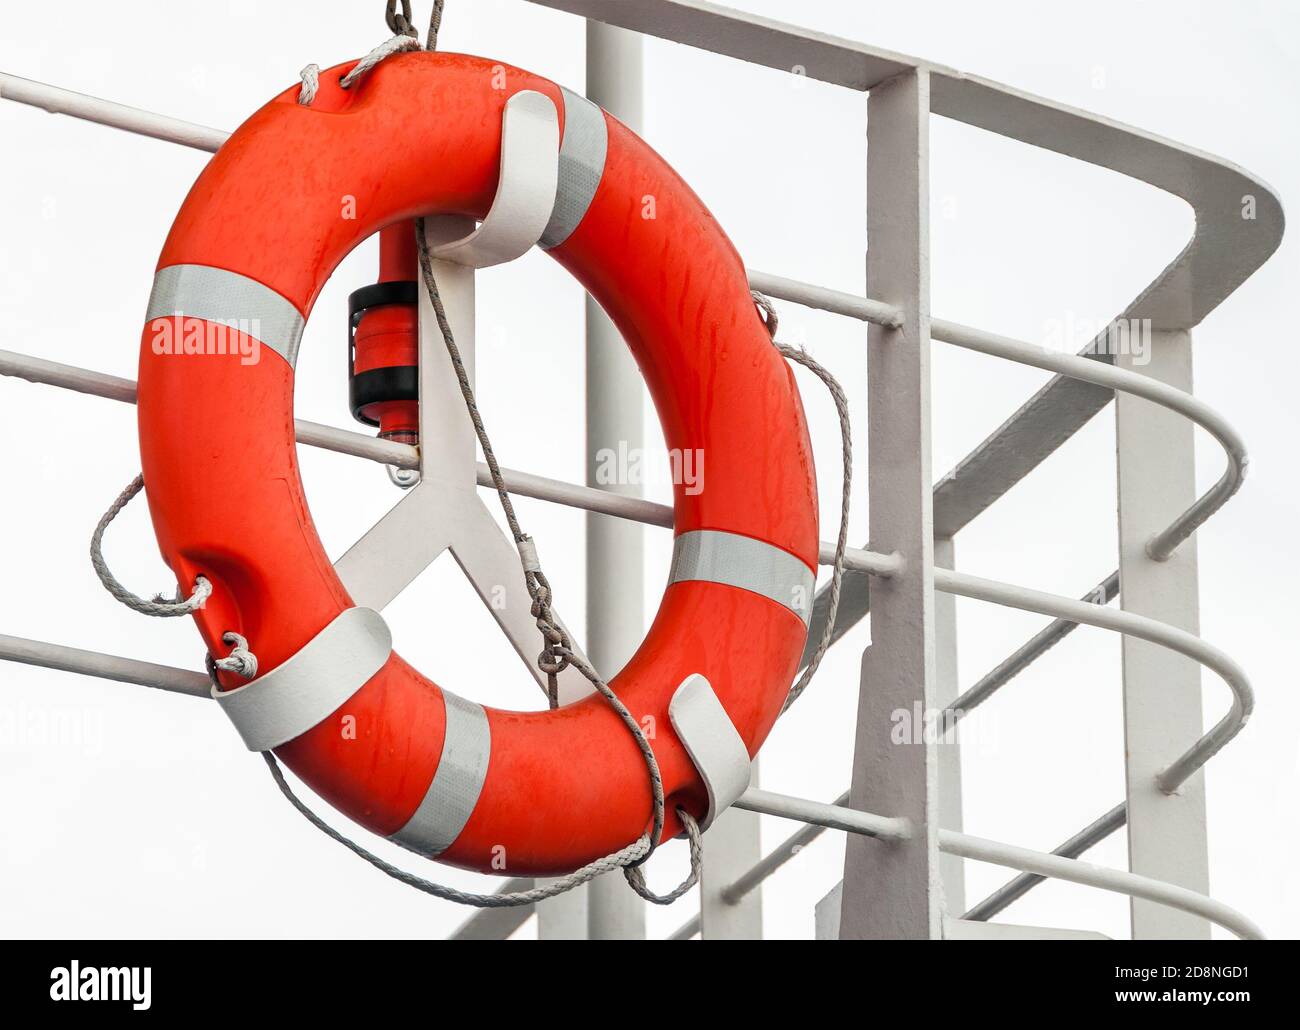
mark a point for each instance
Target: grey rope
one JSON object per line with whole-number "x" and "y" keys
{"x": 400, "y": 22}
{"x": 311, "y": 74}
{"x": 634, "y": 852}
{"x": 557, "y": 652}
{"x": 159, "y": 607}
{"x": 435, "y": 23}
{"x": 802, "y": 357}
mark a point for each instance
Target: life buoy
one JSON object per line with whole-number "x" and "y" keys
{"x": 258, "y": 236}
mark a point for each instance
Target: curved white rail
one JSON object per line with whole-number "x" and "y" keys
{"x": 1019, "y": 886}
{"x": 1243, "y": 698}
{"x": 1120, "y": 881}
{"x": 1163, "y": 544}
{"x": 1035, "y": 863}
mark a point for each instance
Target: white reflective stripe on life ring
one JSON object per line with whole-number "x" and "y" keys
{"x": 303, "y": 691}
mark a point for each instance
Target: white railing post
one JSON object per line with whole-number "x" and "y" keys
{"x": 615, "y": 547}
{"x": 947, "y": 687}
{"x": 1162, "y": 689}
{"x": 891, "y": 890}
{"x": 731, "y": 848}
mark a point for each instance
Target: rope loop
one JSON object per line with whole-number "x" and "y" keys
{"x": 159, "y": 606}
{"x": 636, "y": 878}
{"x": 553, "y": 888}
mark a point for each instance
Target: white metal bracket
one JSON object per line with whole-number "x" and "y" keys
{"x": 525, "y": 197}
{"x": 443, "y": 511}
{"x": 710, "y": 738}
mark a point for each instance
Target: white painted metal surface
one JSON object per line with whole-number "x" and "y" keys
{"x": 895, "y": 891}
{"x": 390, "y": 452}
{"x": 731, "y": 846}
{"x": 615, "y": 409}
{"x": 947, "y": 685}
{"x": 893, "y": 883}
{"x": 443, "y": 511}
{"x": 1156, "y": 467}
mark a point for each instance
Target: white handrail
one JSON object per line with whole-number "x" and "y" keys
{"x": 388, "y": 452}
{"x": 1130, "y": 624}
{"x": 175, "y": 130}
{"x": 57, "y": 100}
{"x": 951, "y": 842}
{"x": 834, "y": 817}
{"x": 1162, "y": 545}
{"x": 104, "y": 666}
{"x": 1120, "y": 881}
{"x": 835, "y": 301}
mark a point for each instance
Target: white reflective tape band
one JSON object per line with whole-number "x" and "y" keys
{"x": 456, "y": 784}
{"x": 305, "y": 690}
{"x": 582, "y": 163}
{"x": 711, "y": 739}
{"x": 741, "y": 561}
{"x": 229, "y": 299}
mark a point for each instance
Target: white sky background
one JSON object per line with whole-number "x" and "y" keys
{"x": 140, "y": 814}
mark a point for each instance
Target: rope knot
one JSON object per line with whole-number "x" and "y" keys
{"x": 400, "y": 21}
{"x": 554, "y": 659}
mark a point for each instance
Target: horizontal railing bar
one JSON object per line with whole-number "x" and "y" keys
{"x": 809, "y": 295}
{"x": 1134, "y": 625}
{"x": 389, "y": 452}
{"x": 835, "y": 817}
{"x": 1120, "y": 881}
{"x": 768, "y": 864}
{"x": 175, "y": 130}
{"x": 1013, "y": 890}
{"x": 1163, "y": 544}
{"x": 104, "y": 112}
{"x": 1016, "y": 888}
{"x": 104, "y": 666}
{"x": 1057, "y": 865}
{"x": 115, "y": 388}
{"x": 1029, "y": 652}
{"x": 777, "y": 857}
{"x": 57, "y": 100}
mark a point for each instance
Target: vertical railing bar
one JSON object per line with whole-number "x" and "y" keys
{"x": 895, "y": 892}
{"x": 614, "y": 405}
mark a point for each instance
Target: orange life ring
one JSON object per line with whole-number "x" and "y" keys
{"x": 259, "y": 235}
